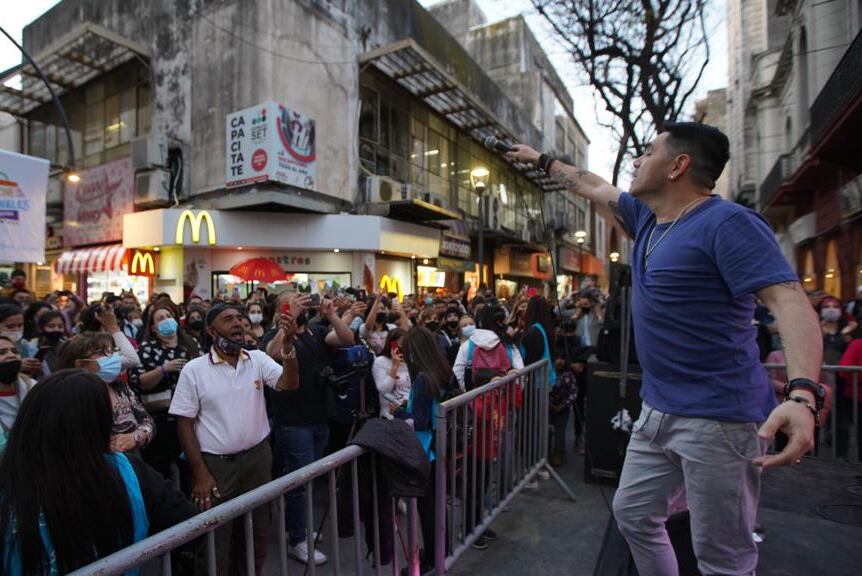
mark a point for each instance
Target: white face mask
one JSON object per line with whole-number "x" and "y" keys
{"x": 255, "y": 318}
{"x": 137, "y": 323}
{"x": 830, "y": 314}
{"x": 14, "y": 336}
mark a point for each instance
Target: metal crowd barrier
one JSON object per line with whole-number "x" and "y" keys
{"x": 204, "y": 524}
{"x": 490, "y": 443}
{"x": 838, "y": 435}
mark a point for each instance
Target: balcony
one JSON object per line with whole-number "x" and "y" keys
{"x": 780, "y": 172}
{"x": 842, "y": 88}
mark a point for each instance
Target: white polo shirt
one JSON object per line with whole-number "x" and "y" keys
{"x": 227, "y": 402}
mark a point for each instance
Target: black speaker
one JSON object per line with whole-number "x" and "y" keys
{"x": 609, "y": 346}
{"x": 605, "y": 447}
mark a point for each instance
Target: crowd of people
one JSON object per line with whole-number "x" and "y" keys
{"x": 182, "y": 406}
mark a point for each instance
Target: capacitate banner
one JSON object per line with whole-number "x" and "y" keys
{"x": 23, "y": 190}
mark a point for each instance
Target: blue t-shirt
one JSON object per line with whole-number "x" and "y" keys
{"x": 693, "y": 306}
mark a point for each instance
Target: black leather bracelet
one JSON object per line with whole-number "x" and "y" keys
{"x": 542, "y": 162}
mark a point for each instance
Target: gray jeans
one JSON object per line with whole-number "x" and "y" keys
{"x": 710, "y": 463}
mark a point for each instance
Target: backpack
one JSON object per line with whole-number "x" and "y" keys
{"x": 486, "y": 364}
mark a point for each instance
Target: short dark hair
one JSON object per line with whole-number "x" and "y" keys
{"x": 707, "y": 146}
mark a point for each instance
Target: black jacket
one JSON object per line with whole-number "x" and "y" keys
{"x": 403, "y": 461}
{"x": 165, "y": 505}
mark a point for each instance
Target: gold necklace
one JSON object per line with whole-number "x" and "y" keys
{"x": 650, "y": 250}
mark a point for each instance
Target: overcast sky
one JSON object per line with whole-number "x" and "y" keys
{"x": 602, "y": 151}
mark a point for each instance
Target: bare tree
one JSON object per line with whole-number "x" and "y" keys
{"x": 644, "y": 58}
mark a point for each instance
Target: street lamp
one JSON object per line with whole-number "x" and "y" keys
{"x": 614, "y": 256}
{"x": 71, "y": 175}
{"x": 479, "y": 181}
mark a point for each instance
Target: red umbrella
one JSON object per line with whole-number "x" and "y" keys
{"x": 258, "y": 270}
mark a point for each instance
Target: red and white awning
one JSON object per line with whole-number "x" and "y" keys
{"x": 108, "y": 258}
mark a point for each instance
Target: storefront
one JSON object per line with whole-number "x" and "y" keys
{"x": 317, "y": 253}
{"x": 105, "y": 269}
{"x": 568, "y": 271}
{"x": 515, "y": 269}
{"x": 451, "y": 270}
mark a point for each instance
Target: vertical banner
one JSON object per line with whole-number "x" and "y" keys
{"x": 270, "y": 142}
{"x": 197, "y": 273}
{"x": 93, "y": 208}
{"x": 23, "y": 189}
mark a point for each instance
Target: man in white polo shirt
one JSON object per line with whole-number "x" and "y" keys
{"x": 223, "y": 428}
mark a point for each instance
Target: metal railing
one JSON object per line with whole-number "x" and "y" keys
{"x": 204, "y": 524}
{"x": 838, "y": 435}
{"x": 490, "y": 442}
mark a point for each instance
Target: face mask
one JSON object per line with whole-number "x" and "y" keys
{"x": 255, "y": 318}
{"x": 15, "y": 336}
{"x": 302, "y": 319}
{"x": 249, "y": 347}
{"x": 452, "y": 324}
{"x": 355, "y": 324}
{"x": 393, "y": 318}
{"x": 138, "y": 323}
{"x": 18, "y": 282}
{"x": 9, "y": 371}
{"x": 196, "y": 324}
{"x": 429, "y": 301}
{"x": 168, "y": 327}
{"x": 110, "y": 367}
{"x": 468, "y": 330}
{"x": 52, "y": 337}
{"x": 433, "y": 326}
{"x": 830, "y": 314}
{"x": 381, "y": 317}
{"x": 227, "y": 346}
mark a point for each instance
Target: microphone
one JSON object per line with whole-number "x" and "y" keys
{"x": 492, "y": 143}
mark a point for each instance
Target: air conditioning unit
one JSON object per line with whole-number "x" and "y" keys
{"x": 383, "y": 189}
{"x": 153, "y": 188}
{"x": 491, "y": 212}
{"x": 150, "y": 151}
{"x": 436, "y": 199}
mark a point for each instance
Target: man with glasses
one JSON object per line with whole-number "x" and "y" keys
{"x": 223, "y": 427}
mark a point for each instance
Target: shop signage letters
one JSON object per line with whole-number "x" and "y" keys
{"x": 455, "y": 265}
{"x": 142, "y": 264}
{"x": 196, "y": 222}
{"x": 392, "y": 284}
{"x": 455, "y": 246}
{"x": 291, "y": 260}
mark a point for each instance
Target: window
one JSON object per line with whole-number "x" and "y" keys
{"x": 832, "y": 273}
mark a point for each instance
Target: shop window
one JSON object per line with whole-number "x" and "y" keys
{"x": 832, "y": 273}
{"x": 368, "y": 115}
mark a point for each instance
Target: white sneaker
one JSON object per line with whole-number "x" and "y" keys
{"x": 402, "y": 507}
{"x": 317, "y": 537}
{"x": 532, "y": 485}
{"x": 300, "y": 552}
{"x": 543, "y": 474}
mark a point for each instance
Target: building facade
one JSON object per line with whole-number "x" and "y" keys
{"x": 795, "y": 105}
{"x": 712, "y": 110}
{"x": 368, "y": 115}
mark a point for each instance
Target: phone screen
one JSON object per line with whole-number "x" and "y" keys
{"x": 285, "y": 308}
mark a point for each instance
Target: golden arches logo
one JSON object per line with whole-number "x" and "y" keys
{"x": 196, "y": 221}
{"x": 391, "y": 284}
{"x": 143, "y": 264}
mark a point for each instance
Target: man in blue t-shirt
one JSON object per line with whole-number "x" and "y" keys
{"x": 698, "y": 265}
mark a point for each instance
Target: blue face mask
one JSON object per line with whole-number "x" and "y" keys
{"x": 110, "y": 367}
{"x": 356, "y": 323}
{"x": 468, "y": 330}
{"x": 167, "y": 327}
{"x": 429, "y": 301}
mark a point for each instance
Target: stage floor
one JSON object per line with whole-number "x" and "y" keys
{"x": 804, "y": 513}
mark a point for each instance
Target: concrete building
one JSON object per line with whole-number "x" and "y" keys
{"x": 366, "y": 114}
{"x": 712, "y": 110}
{"x": 795, "y": 109}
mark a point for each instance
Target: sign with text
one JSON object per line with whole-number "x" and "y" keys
{"x": 270, "y": 142}
{"x": 93, "y": 208}
{"x": 23, "y": 186}
{"x": 454, "y": 245}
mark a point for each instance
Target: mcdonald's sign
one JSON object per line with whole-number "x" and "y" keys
{"x": 195, "y": 221}
{"x": 392, "y": 284}
{"x": 142, "y": 263}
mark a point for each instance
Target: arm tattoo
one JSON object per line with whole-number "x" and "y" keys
{"x": 615, "y": 208}
{"x": 789, "y": 285}
{"x": 568, "y": 180}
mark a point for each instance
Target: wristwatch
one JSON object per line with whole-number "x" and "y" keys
{"x": 138, "y": 438}
{"x": 818, "y": 390}
{"x": 290, "y": 355}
